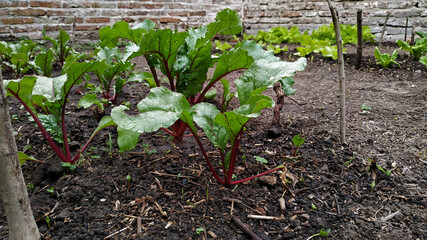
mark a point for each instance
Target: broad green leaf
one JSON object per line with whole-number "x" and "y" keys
{"x": 204, "y": 115}
{"x": 63, "y": 40}
{"x": 44, "y": 62}
{"x": 193, "y": 73}
{"x": 162, "y": 45}
{"x": 298, "y": 140}
{"x": 161, "y": 108}
{"x": 90, "y": 99}
{"x": 141, "y": 77}
{"x": 23, "y": 88}
{"x": 256, "y": 51}
{"x": 196, "y": 37}
{"x": 263, "y": 74}
{"x": 211, "y": 94}
{"x": 127, "y": 139}
{"x": 106, "y": 121}
{"x": 254, "y": 106}
{"x": 24, "y": 157}
{"x": 50, "y": 123}
{"x": 260, "y": 159}
{"x": 187, "y": 118}
{"x": 423, "y": 60}
{"x": 232, "y": 122}
{"x": 230, "y": 61}
{"x": 227, "y": 22}
{"x": 75, "y": 72}
{"x": 109, "y": 36}
{"x": 48, "y": 89}
{"x": 227, "y": 95}
{"x": 109, "y": 55}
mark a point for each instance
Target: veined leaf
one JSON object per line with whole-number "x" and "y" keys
{"x": 44, "y": 62}
{"x": 193, "y": 73}
{"x": 232, "y": 122}
{"x": 204, "y": 115}
{"x": 423, "y": 60}
{"x": 231, "y": 61}
{"x": 256, "y": 51}
{"x": 110, "y": 36}
{"x": 227, "y": 22}
{"x": 160, "y": 109}
{"x": 263, "y": 74}
{"x": 23, "y": 88}
{"x": 127, "y": 139}
{"x": 162, "y": 45}
{"x": 254, "y": 106}
{"x": 50, "y": 123}
{"x": 24, "y": 157}
{"x": 141, "y": 77}
{"x": 90, "y": 99}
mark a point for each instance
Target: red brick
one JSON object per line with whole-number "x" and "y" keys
{"x": 137, "y": 12}
{"x": 51, "y": 4}
{"x": 132, "y": 5}
{"x": 56, "y": 13}
{"x": 153, "y": 6}
{"x": 4, "y": 30}
{"x": 25, "y": 30}
{"x": 14, "y": 4}
{"x": 86, "y": 27}
{"x": 50, "y": 28}
{"x": 128, "y": 19}
{"x": 198, "y": 13}
{"x": 98, "y": 20}
{"x": 28, "y": 12}
{"x": 179, "y": 13}
{"x": 291, "y": 14}
{"x": 169, "y": 20}
{"x": 17, "y": 20}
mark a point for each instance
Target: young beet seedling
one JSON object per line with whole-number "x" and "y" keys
{"x": 297, "y": 141}
{"x": 185, "y": 58}
{"x": 45, "y": 99}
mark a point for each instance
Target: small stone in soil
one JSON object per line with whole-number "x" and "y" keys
{"x": 268, "y": 180}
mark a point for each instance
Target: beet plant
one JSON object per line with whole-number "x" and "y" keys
{"x": 45, "y": 99}
{"x": 191, "y": 71}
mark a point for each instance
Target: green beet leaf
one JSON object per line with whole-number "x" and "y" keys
{"x": 232, "y": 122}
{"x": 263, "y": 74}
{"x": 227, "y": 22}
{"x": 44, "y": 62}
{"x": 109, "y": 36}
{"x": 21, "y": 88}
{"x": 159, "y": 110}
{"x": 204, "y": 115}
{"x": 90, "y": 99}
{"x": 230, "y": 61}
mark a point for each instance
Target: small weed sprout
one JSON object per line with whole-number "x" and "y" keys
{"x": 128, "y": 178}
{"x": 321, "y": 233}
{"x": 200, "y": 230}
{"x": 365, "y": 109}
{"x": 68, "y": 165}
{"x": 48, "y": 221}
{"x": 297, "y": 141}
{"x": 313, "y": 207}
{"x": 30, "y": 186}
{"x": 373, "y": 169}
{"x": 260, "y": 159}
{"x": 51, "y": 190}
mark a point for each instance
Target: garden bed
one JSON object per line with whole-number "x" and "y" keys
{"x": 328, "y": 186}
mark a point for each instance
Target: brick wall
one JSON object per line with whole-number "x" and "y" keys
{"x": 29, "y": 17}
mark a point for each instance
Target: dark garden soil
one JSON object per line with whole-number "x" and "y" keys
{"x": 173, "y": 194}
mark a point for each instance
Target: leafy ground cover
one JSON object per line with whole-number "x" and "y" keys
{"x": 324, "y": 186}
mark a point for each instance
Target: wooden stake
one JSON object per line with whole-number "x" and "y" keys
{"x": 413, "y": 33}
{"x": 383, "y": 31}
{"x": 341, "y": 78}
{"x": 406, "y": 28}
{"x": 359, "y": 38}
